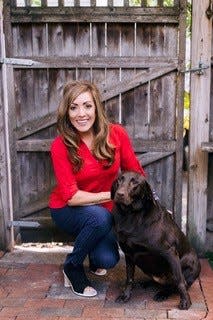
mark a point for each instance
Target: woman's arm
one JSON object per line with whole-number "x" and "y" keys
{"x": 82, "y": 198}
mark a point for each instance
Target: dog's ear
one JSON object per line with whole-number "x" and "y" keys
{"x": 145, "y": 196}
{"x": 148, "y": 192}
{"x": 114, "y": 188}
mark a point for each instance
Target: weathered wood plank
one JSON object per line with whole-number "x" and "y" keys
{"x": 141, "y": 111}
{"x": 33, "y": 206}
{"x": 94, "y": 14}
{"x": 150, "y": 157}
{"x": 178, "y": 214}
{"x": 5, "y": 236}
{"x": 6, "y": 19}
{"x": 162, "y": 104}
{"x": 33, "y": 126}
{"x": 153, "y": 145}
{"x": 161, "y": 175}
{"x": 36, "y": 145}
{"x": 137, "y": 80}
{"x": 140, "y": 145}
{"x": 6, "y": 160}
{"x": 97, "y": 62}
{"x": 98, "y": 42}
{"x": 199, "y": 123}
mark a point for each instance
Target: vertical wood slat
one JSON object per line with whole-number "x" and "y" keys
{"x": 179, "y": 122}
{"x": 28, "y": 3}
{"x": 4, "y": 204}
{"x": 60, "y": 3}
{"x": 160, "y": 3}
{"x": 13, "y": 3}
{"x": 199, "y": 125}
{"x": 7, "y": 29}
{"x": 7, "y": 142}
{"x": 43, "y": 3}
{"x": 143, "y": 3}
{"x": 5, "y": 236}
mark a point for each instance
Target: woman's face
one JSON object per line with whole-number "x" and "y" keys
{"x": 82, "y": 113}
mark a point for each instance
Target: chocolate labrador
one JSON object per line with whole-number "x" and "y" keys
{"x": 151, "y": 240}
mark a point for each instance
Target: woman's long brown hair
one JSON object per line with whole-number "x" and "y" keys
{"x": 102, "y": 149}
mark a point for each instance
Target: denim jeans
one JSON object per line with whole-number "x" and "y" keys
{"x": 92, "y": 228}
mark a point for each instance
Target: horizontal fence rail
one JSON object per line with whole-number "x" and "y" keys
{"x": 95, "y": 3}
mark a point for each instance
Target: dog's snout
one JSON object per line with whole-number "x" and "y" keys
{"x": 120, "y": 193}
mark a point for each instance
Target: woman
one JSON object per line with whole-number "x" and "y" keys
{"x": 87, "y": 156}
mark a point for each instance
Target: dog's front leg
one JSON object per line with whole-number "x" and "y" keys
{"x": 130, "y": 271}
{"x": 174, "y": 261}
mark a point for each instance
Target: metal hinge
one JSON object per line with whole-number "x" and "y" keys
{"x": 24, "y": 224}
{"x": 198, "y": 70}
{"x": 16, "y": 61}
{"x": 209, "y": 11}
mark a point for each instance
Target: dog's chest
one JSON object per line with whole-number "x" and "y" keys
{"x": 129, "y": 231}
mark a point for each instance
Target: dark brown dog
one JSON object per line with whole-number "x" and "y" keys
{"x": 151, "y": 240}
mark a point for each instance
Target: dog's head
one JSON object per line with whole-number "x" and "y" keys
{"x": 131, "y": 190}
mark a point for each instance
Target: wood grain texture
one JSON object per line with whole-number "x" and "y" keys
{"x": 199, "y": 126}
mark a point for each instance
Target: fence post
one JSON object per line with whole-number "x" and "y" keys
{"x": 199, "y": 125}
{"x": 6, "y": 207}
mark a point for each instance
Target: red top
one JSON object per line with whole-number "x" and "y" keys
{"x": 92, "y": 177}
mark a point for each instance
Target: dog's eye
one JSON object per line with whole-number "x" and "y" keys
{"x": 134, "y": 182}
{"x": 121, "y": 179}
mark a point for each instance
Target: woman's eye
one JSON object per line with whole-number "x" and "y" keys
{"x": 88, "y": 106}
{"x": 72, "y": 108}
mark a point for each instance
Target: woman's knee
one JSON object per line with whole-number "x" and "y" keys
{"x": 106, "y": 253}
{"x": 100, "y": 218}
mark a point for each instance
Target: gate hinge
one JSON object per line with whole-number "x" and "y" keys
{"x": 198, "y": 70}
{"x": 16, "y": 61}
{"x": 209, "y": 11}
{"x": 23, "y": 224}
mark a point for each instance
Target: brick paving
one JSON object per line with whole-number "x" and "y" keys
{"x": 35, "y": 290}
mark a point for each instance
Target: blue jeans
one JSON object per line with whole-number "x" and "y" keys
{"x": 92, "y": 228}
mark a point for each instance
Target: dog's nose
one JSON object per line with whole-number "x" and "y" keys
{"x": 120, "y": 194}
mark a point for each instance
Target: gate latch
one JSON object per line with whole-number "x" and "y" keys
{"x": 198, "y": 70}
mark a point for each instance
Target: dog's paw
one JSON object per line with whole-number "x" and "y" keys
{"x": 184, "y": 304}
{"x": 160, "y": 296}
{"x": 123, "y": 297}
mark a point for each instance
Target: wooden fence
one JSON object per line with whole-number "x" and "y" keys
{"x": 134, "y": 53}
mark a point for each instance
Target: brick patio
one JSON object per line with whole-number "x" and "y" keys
{"x": 34, "y": 290}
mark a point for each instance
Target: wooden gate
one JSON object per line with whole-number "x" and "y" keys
{"x": 133, "y": 50}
